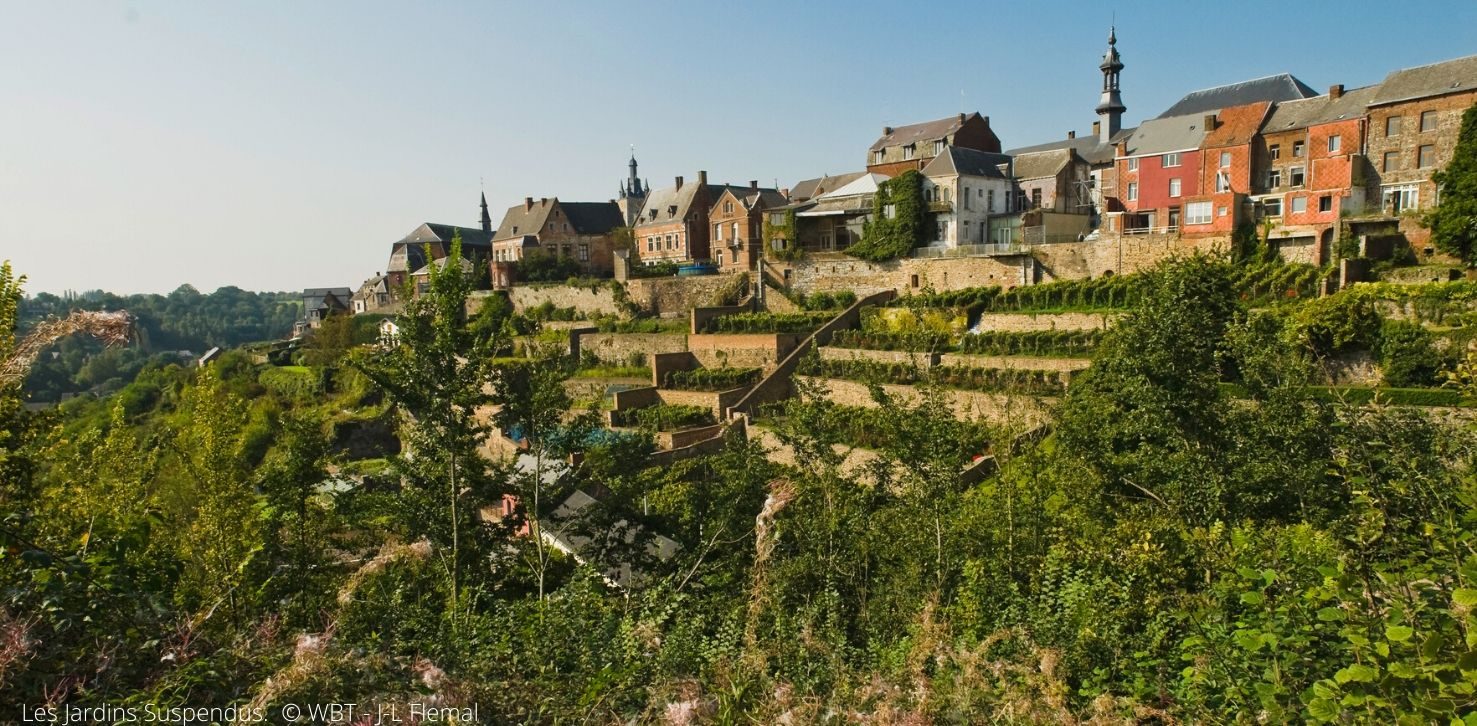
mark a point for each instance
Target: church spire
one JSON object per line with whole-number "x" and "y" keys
{"x": 1110, "y": 109}
{"x": 633, "y": 187}
{"x": 486, "y": 218}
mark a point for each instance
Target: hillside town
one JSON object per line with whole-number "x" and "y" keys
{"x": 1302, "y": 169}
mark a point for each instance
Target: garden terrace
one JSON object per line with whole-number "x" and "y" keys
{"x": 665, "y": 417}
{"x": 1004, "y": 380}
{"x": 867, "y": 427}
{"x": 711, "y": 379}
{"x": 800, "y": 323}
{"x": 1262, "y": 283}
{"x": 1065, "y": 343}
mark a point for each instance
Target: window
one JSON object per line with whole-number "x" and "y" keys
{"x": 877, "y": 157}
{"x": 1274, "y": 151}
{"x": 1197, "y": 213}
{"x": 1133, "y": 163}
{"x": 1174, "y": 187}
{"x": 1299, "y": 205}
{"x": 1428, "y": 121}
{"x": 1392, "y": 126}
{"x": 1402, "y": 198}
{"x": 1325, "y": 203}
{"x": 938, "y": 147}
{"x": 1391, "y": 162}
{"x": 584, "y": 253}
{"x": 1133, "y": 191}
{"x": 1426, "y": 156}
{"x": 733, "y": 232}
{"x": 1295, "y": 176}
{"x": 728, "y": 207}
{"x": 965, "y": 196}
{"x": 669, "y": 241}
{"x": 719, "y": 258}
{"x": 943, "y": 232}
{"x": 1274, "y": 178}
{"x": 1272, "y": 207}
{"x": 1222, "y": 181}
{"x": 1170, "y": 160}
{"x": 1297, "y": 149}
{"x": 515, "y": 229}
{"x": 777, "y": 218}
{"x": 718, "y": 232}
{"x": 1335, "y": 142}
{"x": 990, "y": 201}
{"x": 650, "y": 244}
{"x": 965, "y": 236}
{"x": 1225, "y": 159}
{"x": 1220, "y": 211}
{"x": 1036, "y": 198}
{"x": 909, "y": 150}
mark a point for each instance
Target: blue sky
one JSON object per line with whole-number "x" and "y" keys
{"x": 280, "y": 145}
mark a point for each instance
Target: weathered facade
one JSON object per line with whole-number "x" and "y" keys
{"x": 581, "y": 231}
{"x": 430, "y": 242}
{"x": 963, "y": 187}
{"x": 737, "y": 221}
{"x": 1225, "y": 174}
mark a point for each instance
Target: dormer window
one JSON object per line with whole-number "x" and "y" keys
{"x": 938, "y": 147}
{"x": 515, "y": 229}
{"x": 909, "y": 151}
{"x": 672, "y": 210}
{"x": 877, "y": 157}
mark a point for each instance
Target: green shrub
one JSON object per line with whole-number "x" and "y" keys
{"x": 1010, "y": 380}
{"x": 883, "y": 340}
{"x": 769, "y": 322}
{"x": 667, "y": 417}
{"x": 1334, "y": 324}
{"x": 1032, "y": 343}
{"x": 291, "y": 381}
{"x": 1407, "y": 355}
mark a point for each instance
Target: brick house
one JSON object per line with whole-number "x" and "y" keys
{"x": 1225, "y": 176}
{"x": 1158, "y": 167}
{"x": 962, "y": 188}
{"x": 1309, "y": 171}
{"x": 1414, "y": 118}
{"x": 831, "y": 221}
{"x": 737, "y": 221}
{"x": 581, "y": 231}
{"x": 674, "y": 224}
{"x": 912, "y": 147}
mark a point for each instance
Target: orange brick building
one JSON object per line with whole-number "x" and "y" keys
{"x": 1225, "y": 171}
{"x": 912, "y": 147}
{"x": 737, "y": 221}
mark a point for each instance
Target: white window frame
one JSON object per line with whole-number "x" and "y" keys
{"x": 1133, "y": 191}
{"x": 1198, "y": 212}
{"x": 1222, "y": 181}
{"x": 1335, "y": 143}
{"x": 1299, "y": 204}
{"x": 1133, "y": 163}
{"x": 1225, "y": 160}
{"x": 1170, "y": 160}
{"x": 1176, "y": 187}
{"x": 1293, "y": 172}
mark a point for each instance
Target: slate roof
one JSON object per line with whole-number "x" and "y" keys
{"x": 968, "y": 162}
{"x": 1237, "y": 125}
{"x": 315, "y": 298}
{"x": 672, "y": 204}
{"x": 1042, "y": 164}
{"x": 528, "y": 220}
{"x": 926, "y": 131}
{"x": 593, "y": 217}
{"x": 1323, "y": 109}
{"x": 1086, "y": 147}
{"x": 433, "y": 232}
{"x": 810, "y": 188}
{"x": 1160, "y": 135}
{"x": 1281, "y": 87}
{"x": 1453, "y": 76}
{"x": 441, "y": 264}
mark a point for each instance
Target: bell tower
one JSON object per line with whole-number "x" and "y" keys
{"x": 1110, "y": 109}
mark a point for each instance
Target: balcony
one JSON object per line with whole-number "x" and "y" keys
{"x": 940, "y": 206}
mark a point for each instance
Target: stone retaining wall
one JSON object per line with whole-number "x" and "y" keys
{"x": 676, "y": 296}
{"x": 1019, "y": 362}
{"x": 1028, "y": 322}
{"x": 742, "y": 350}
{"x": 1002, "y": 409}
{"x": 599, "y": 301}
{"x": 616, "y": 348}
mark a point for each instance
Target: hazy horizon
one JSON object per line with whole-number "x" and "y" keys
{"x": 275, "y": 147}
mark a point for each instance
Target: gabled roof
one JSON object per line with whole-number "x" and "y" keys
{"x": 1303, "y": 113}
{"x": 441, "y": 264}
{"x": 529, "y": 219}
{"x": 1281, "y": 87}
{"x": 669, "y": 203}
{"x": 966, "y": 162}
{"x": 593, "y": 217}
{"x": 810, "y": 188}
{"x": 433, "y": 232}
{"x": 750, "y": 197}
{"x": 1236, "y": 125}
{"x": 1437, "y": 79}
{"x": 1087, "y": 147}
{"x": 926, "y": 131}
{"x": 1160, "y": 135}
{"x": 1042, "y": 164}
{"x": 317, "y": 298}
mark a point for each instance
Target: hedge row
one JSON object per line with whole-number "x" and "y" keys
{"x": 879, "y": 340}
{"x": 1268, "y": 282}
{"x": 1010, "y": 380}
{"x": 291, "y": 382}
{"x": 666, "y": 417}
{"x": 1035, "y": 342}
{"x": 769, "y": 322}
{"x": 710, "y": 379}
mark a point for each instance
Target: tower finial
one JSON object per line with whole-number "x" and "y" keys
{"x": 486, "y": 218}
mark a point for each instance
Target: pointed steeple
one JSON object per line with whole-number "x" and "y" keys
{"x": 486, "y": 218}
{"x": 1110, "y": 109}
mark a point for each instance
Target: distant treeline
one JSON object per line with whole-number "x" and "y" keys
{"x": 183, "y": 320}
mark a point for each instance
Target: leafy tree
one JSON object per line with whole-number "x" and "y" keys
{"x": 327, "y": 344}
{"x": 897, "y": 224}
{"x": 540, "y": 265}
{"x": 1453, "y": 222}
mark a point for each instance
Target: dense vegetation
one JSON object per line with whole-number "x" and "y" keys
{"x": 711, "y": 379}
{"x": 794, "y": 323}
{"x": 1177, "y": 550}
{"x": 1014, "y": 380}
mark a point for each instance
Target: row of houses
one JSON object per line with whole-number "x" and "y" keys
{"x": 1299, "y": 166}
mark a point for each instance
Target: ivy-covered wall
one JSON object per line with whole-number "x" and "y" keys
{"x": 787, "y": 231}
{"x": 897, "y": 224}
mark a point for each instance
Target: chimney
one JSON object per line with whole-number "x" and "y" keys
{"x": 1071, "y": 134}
{"x": 702, "y": 178}
{"x": 1210, "y": 122}
{"x": 1336, "y": 90}
{"x": 886, "y": 130}
{"x": 986, "y": 119}
{"x": 543, "y": 201}
{"x": 679, "y": 182}
{"x": 527, "y": 203}
{"x": 753, "y": 185}
{"x": 961, "y": 117}
{"x": 785, "y": 192}
{"x": 1097, "y": 128}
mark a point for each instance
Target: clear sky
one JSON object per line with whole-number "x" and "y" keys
{"x": 280, "y": 145}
